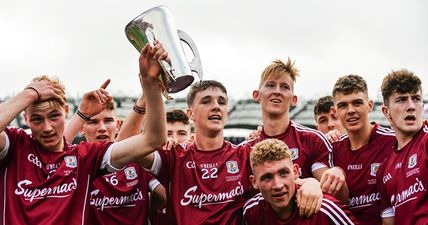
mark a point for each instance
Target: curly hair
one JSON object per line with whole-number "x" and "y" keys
{"x": 269, "y": 150}
{"x": 349, "y": 84}
{"x": 400, "y": 81}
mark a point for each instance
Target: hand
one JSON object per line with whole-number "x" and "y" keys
{"x": 308, "y": 197}
{"x": 45, "y": 90}
{"x": 148, "y": 61}
{"x": 171, "y": 142}
{"x": 333, "y": 136}
{"x": 96, "y": 101}
{"x": 332, "y": 180}
{"x": 255, "y": 133}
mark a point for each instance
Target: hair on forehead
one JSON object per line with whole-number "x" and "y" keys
{"x": 177, "y": 115}
{"x": 400, "y": 81}
{"x": 349, "y": 84}
{"x": 202, "y": 86}
{"x": 278, "y": 68}
{"x": 269, "y": 150}
{"x": 323, "y": 105}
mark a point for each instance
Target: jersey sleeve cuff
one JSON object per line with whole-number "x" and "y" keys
{"x": 106, "y": 163}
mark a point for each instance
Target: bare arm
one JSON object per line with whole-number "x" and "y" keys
{"x": 36, "y": 91}
{"x": 388, "y": 221}
{"x": 133, "y": 122}
{"x": 135, "y": 148}
{"x": 333, "y": 182}
{"x": 93, "y": 102}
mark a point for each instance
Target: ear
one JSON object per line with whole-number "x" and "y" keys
{"x": 25, "y": 117}
{"x": 66, "y": 109}
{"x": 293, "y": 100}
{"x": 371, "y": 105}
{"x": 333, "y": 109}
{"x": 253, "y": 182}
{"x": 296, "y": 171}
{"x": 256, "y": 95}
{"x": 386, "y": 112}
{"x": 118, "y": 123}
{"x": 189, "y": 113}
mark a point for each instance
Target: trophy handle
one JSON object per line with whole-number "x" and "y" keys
{"x": 195, "y": 64}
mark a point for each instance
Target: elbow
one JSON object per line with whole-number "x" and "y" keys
{"x": 156, "y": 141}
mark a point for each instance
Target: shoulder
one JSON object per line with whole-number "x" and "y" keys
{"x": 307, "y": 132}
{"x": 336, "y": 210}
{"x": 253, "y": 204}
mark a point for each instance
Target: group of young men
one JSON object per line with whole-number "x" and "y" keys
{"x": 369, "y": 174}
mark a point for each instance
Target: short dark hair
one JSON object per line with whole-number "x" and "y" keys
{"x": 400, "y": 81}
{"x": 323, "y": 105}
{"x": 177, "y": 115}
{"x": 349, "y": 84}
{"x": 202, "y": 86}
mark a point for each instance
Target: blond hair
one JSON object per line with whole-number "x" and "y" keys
{"x": 279, "y": 68}
{"x": 49, "y": 103}
{"x": 269, "y": 150}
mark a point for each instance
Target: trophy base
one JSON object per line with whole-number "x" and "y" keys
{"x": 180, "y": 83}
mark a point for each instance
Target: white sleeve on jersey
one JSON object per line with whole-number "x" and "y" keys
{"x": 389, "y": 212}
{"x": 106, "y": 163}
{"x": 156, "y": 165}
{"x": 3, "y": 153}
{"x": 153, "y": 184}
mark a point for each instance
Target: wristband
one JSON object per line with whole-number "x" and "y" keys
{"x": 34, "y": 89}
{"x": 83, "y": 116}
{"x": 138, "y": 109}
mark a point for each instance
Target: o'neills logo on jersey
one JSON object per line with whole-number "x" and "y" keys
{"x": 373, "y": 168}
{"x": 59, "y": 191}
{"x": 413, "y": 160}
{"x": 70, "y": 161}
{"x": 201, "y": 199}
{"x": 130, "y": 173}
{"x": 294, "y": 153}
{"x": 117, "y": 201}
{"x": 363, "y": 200}
{"x": 408, "y": 194}
{"x": 232, "y": 167}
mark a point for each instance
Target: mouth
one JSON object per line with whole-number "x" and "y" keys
{"x": 275, "y": 100}
{"x": 351, "y": 120}
{"x": 279, "y": 194}
{"x": 410, "y": 118}
{"x": 48, "y": 137}
{"x": 214, "y": 118}
{"x": 102, "y": 137}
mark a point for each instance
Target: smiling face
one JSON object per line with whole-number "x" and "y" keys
{"x": 275, "y": 180}
{"x": 46, "y": 121}
{"x": 276, "y": 94}
{"x": 101, "y": 127}
{"x": 209, "y": 110}
{"x": 353, "y": 110}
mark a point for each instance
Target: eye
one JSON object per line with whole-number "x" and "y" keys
{"x": 266, "y": 178}
{"x": 36, "y": 120}
{"x": 108, "y": 120}
{"x": 285, "y": 87}
{"x": 283, "y": 173}
{"x": 92, "y": 122}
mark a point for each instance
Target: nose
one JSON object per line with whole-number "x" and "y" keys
{"x": 102, "y": 127}
{"x": 331, "y": 125}
{"x": 411, "y": 106}
{"x": 47, "y": 126}
{"x": 277, "y": 183}
{"x": 215, "y": 106}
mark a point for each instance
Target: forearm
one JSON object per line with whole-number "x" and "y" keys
{"x": 133, "y": 122}
{"x": 73, "y": 127}
{"x": 11, "y": 108}
{"x": 155, "y": 119}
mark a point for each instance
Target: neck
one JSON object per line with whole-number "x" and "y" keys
{"x": 360, "y": 137}
{"x": 275, "y": 125}
{"x": 403, "y": 138}
{"x": 209, "y": 141}
{"x": 285, "y": 212}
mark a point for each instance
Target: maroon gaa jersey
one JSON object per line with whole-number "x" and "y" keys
{"x": 402, "y": 180}
{"x": 41, "y": 187}
{"x": 205, "y": 187}
{"x": 360, "y": 167}
{"x": 309, "y": 148}
{"x": 122, "y": 197}
{"x": 258, "y": 211}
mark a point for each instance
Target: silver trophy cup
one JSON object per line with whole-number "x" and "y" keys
{"x": 157, "y": 24}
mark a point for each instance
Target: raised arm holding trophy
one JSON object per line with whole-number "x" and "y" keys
{"x": 157, "y": 24}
